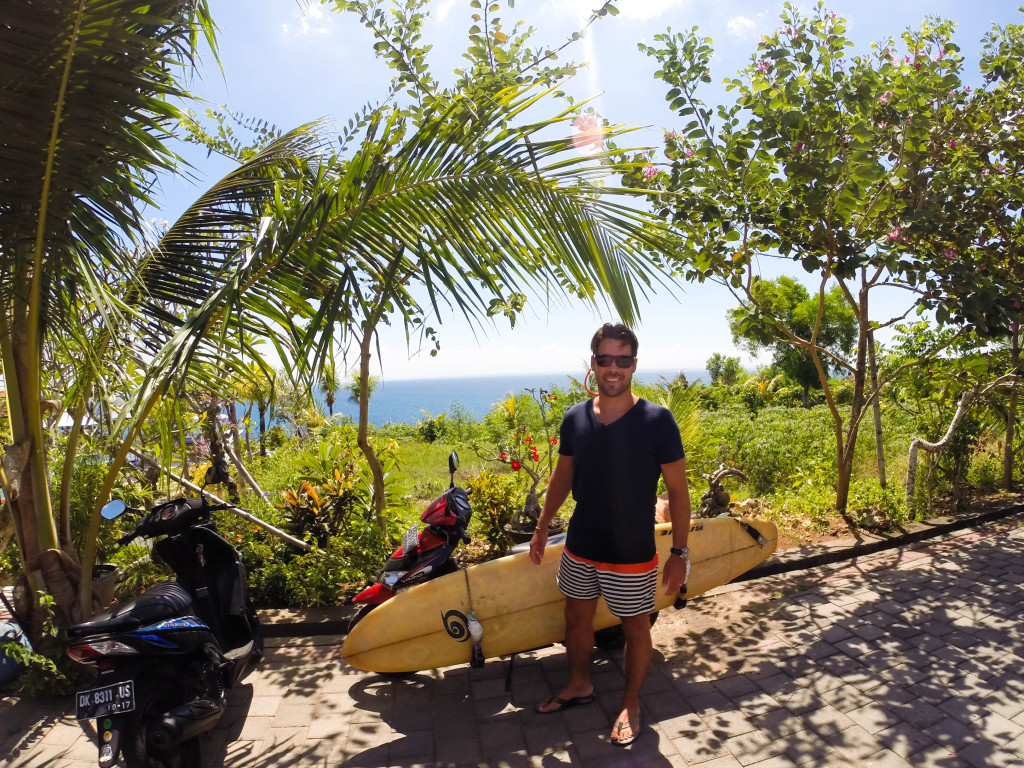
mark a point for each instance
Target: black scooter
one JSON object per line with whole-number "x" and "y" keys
{"x": 165, "y": 658}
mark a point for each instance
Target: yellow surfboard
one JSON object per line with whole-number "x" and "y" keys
{"x": 519, "y": 605}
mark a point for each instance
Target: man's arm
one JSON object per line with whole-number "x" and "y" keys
{"x": 557, "y": 492}
{"x": 676, "y": 568}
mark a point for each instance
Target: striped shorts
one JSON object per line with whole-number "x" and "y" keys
{"x": 628, "y": 589}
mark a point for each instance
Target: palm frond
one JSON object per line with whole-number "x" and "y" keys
{"x": 86, "y": 95}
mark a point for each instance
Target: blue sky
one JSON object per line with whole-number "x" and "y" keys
{"x": 290, "y": 62}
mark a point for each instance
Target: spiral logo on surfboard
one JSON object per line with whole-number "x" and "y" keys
{"x": 456, "y": 624}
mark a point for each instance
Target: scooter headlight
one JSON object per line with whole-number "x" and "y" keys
{"x": 391, "y": 578}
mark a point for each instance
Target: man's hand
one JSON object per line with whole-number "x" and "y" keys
{"x": 676, "y": 573}
{"x": 537, "y": 544}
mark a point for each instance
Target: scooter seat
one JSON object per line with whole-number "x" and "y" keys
{"x": 162, "y": 601}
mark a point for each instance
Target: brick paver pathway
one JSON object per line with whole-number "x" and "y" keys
{"x": 906, "y": 658}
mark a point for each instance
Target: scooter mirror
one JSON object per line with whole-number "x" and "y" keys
{"x": 453, "y": 462}
{"x": 113, "y": 509}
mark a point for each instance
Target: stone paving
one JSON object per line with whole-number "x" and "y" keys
{"x": 908, "y": 658}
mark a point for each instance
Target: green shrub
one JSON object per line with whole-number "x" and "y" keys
{"x": 275, "y": 437}
{"x": 47, "y": 670}
{"x": 496, "y": 498}
{"x": 875, "y": 508}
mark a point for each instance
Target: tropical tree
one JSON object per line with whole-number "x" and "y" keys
{"x": 355, "y": 390}
{"x": 75, "y": 172}
{"x": 723, "y": 370}
{"x": 824, "y": 161}
{"x": 786, "y": 300}
{"x": 330, "y": 383}
{"x": 283, "y": 248}
{"x": 978, "y": 250}
{"x": 501, "y": 61}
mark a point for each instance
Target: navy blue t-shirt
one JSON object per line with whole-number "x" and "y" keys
{"x": 615, "y": 475}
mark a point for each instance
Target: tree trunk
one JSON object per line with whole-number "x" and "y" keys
{"x": 876, "y": 407}
{"x": 25, "y": 475}
{"x": 248, "y": 441}
{"x": 236, "y": 439}
{"x": 848, "y": 445}
{"x": 1011, "y": 410}
{"x": 263, "y": 429}
{"x": 376, "y": 470}
{"x": 918, "y": 443}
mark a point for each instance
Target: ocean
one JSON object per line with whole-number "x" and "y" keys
{"x": 410, "y": 401}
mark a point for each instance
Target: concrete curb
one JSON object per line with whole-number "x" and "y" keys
{"x": 313, "y": 622}
{"x": 802, "y": 558}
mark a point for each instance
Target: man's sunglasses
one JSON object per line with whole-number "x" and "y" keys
{"x": 621, "y": 361}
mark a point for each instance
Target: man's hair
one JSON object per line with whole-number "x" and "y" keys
{"x": 618, "y": 332}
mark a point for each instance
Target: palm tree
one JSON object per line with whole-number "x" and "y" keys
{"x": 355, "y": 391}
{"x": 469, "y": 214}
{"x": 85, "y": 112}
{"x": 282, "y": 248}
{"x": 329, "y": 383}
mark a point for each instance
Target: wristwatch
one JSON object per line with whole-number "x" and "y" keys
{"x": 683, "y": 553}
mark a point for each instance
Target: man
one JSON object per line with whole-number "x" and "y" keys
{"x": 612, "y": 449}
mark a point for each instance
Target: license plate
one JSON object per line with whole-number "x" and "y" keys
{"x": 411, "y": 540}
{"x": 108, "y": 700}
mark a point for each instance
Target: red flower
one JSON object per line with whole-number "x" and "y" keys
{"x": 554, "y": 441}
{"x": 516, "y": 465}
{"x": 503, "y": 456}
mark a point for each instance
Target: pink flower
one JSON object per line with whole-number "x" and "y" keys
{"x": 917, "y": 65}
{"x": 884, "y": 98}
{"x": 1016, "y": 303}
{"x": 589, "y": 135}
{"x": 952, "y": 145}
{"x": 688, "y": 152}
{"x": 650, "y": 172}
{"x": 883, "y": 124}
{"x": 894, "y": 235}
{"x": 949, "y": 253}
{"x": 799, "y": 146}
{"x": 764, "y": 66}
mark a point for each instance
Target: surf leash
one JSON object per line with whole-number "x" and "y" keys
{"x": 476, "y": 629}
{"x": 754, "y": 533}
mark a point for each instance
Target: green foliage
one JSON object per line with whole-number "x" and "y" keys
{"x": 496, "y": 499}
{"x": 334, "y": 487}
{"x": 770, "y": 447}
{"x": 275, "y": 437}
{"x": 723, "y": 370}
{"x": 784, "y": 303}
{"x": 433, "y": 428}
{"x": 48, "y": 671}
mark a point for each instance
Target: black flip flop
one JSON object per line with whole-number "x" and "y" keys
{"x": 620, "y": 724}
{"x": 564, "y": 704}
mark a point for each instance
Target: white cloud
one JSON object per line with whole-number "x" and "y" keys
{"x": 310, "y": 20}
{"x": 444, "y": 8}
{"x": 741, "y": 27}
